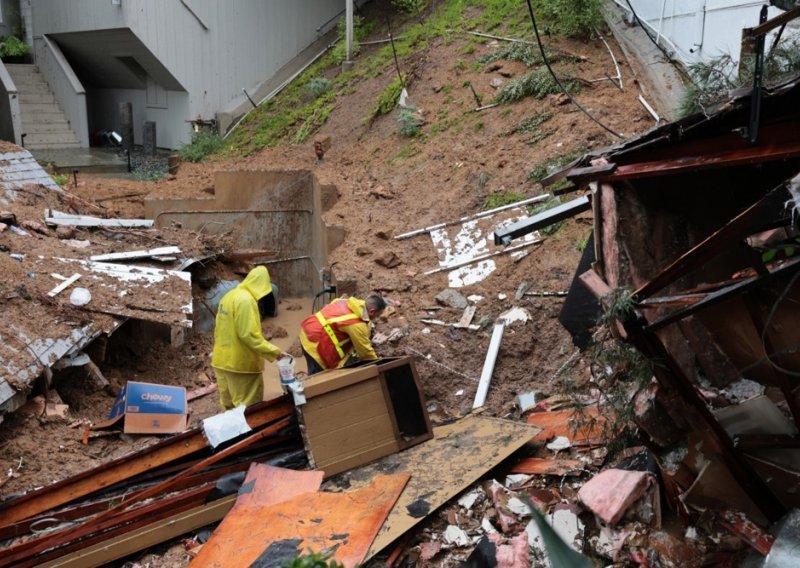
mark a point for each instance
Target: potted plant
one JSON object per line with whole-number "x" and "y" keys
{"x": 13, "y": 49}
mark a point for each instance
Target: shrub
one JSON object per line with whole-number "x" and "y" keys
{"x": 203, "y": 144}
{"x": 500, "y": 198}
{"x": 409, "y": 122}
{"x": 318, "y": 86}
{"x": 409, "y": 6}
{"x": 573, "y": 18}
{"x": 536, "y": 84}
{"x": 11, "y": 46}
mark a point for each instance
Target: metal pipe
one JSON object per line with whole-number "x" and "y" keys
{"x": 480, "y": 215}
{"x": 480, "y": 258}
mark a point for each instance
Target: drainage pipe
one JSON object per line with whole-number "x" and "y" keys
{"x": 488, "y": 364}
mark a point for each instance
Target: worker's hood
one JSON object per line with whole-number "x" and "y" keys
{"x": 358, "y": 307}
{"x": 257, "y": 282}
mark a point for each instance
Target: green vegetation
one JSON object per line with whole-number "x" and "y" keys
{"x": 388, "y": 98}
{"x": 11, "y": 46}
{"x": 527, "y": 53}
{"x": 408, "y": 151}
{"x": 583, "y": 241}
{"x": 201, "y": 146}
{"x": 305, "y": 104}
{"x": 318, "y": 86}
{"x": 500, "y": 198}
{"x": 361, "y": 29}
{"x": 532, "y": 124}
{"x": 409, "y": 122}
{"x": 409, "y": 6}
{"x": 61, "y": 179}
{"x": 536, "y": 84}
{"x": 573, "y": 18}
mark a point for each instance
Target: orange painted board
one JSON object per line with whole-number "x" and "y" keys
{"x": 545, "y": 466}
{"x": 583, "y": 428}
{"x": 265, "y": 485}
{"x": 346, "y": 521}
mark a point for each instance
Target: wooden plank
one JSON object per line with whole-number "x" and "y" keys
{"x": 333, "y": 379}
{"x": 115, "y": 512}
{"x": 466, "y": 317}
{"x": 134, "y": 254}
{"x": 583, "y": 427}
{"x": 343, "y": 522}
{"x": 724, "y": 293}
{"x": 526, "y": 226}
{"x": 357, "y": 405}
{"x": 743, "y": 225}
{"x": 326, "y": 445}
{"x": 126, "y": 467}
{"x": 772, "y": 23}
{"x": 368, "y": 455}
{"x": 581, "y": 176}
{"x": 599, "y": 289}
{"x": 457, "y": 455}
{"x": 546, "y": 466}
{"x": 63, "y": 286}
{"x": 155, "y": 533}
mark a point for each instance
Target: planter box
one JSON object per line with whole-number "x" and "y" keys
{"x": 356, "y": 415}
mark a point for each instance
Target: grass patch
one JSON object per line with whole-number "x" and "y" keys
{"x": 541, "y": 208}
{"x": 202, "y": 145}
{"x": 500, "y": 198}
{"x": 526, "y": 53}
{"x": 61, "y": 179}
{"x": 388, "y": 98}
{"x": 531, "y": 125}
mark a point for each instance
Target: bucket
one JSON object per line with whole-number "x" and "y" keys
{"x": 286, "y": 370}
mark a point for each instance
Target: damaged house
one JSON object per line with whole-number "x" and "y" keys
{"x": 696, "y": 254}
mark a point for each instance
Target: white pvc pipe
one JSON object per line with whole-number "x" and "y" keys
{"x": 488, "y": 364}
{"x": 480, "y": 215}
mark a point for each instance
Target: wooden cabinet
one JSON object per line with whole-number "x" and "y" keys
{"x": 356, "y": 415}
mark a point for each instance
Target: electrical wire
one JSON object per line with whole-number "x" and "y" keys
{"x": 558, "y": 81}
{"x": 769, "y": 323}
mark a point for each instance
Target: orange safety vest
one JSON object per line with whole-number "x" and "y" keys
{"x": 323, "y": 328}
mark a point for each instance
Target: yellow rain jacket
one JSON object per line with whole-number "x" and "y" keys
{"x": 239, "y": 345}
{"x": 312, "y": 334}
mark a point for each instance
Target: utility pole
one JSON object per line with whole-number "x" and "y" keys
{"x": 349, "y": 32}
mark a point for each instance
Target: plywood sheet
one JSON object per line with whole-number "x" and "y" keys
{"x": 264, "y": 486}
{"x": 319, "y": 521}
{"x": 458, "y": 455}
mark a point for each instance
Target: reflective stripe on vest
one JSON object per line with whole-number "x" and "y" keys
{"x": 325, "y": 323}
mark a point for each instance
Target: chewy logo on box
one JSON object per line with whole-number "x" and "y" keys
{"x": 148, "y": 408}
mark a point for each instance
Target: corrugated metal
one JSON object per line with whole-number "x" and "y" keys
{"x": 212, "y": 48}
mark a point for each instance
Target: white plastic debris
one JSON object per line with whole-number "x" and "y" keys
{"x": 425, "y": 330}
{"x": 468, "y": 500}
{"x": 559, "y": 443}
{"x": 516, "y": 479}
{"x": 487, "y": 526}
{"x": 519, "y": 507}
{"x": 502, "y": 296}
{"x": 516, "y": 314}
{"x": 456, "y": 536}
{"x": 80, "y": 297}
{"x": 474, "y": 298}
{"x": 526, "y": 400}
{"x": 225, "y": 426}
{"x": 460, "y": 392}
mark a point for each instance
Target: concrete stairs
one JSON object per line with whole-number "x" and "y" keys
{"x": 42, "y": 118}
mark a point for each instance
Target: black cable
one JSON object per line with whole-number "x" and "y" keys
{"x": 558, "y": 82}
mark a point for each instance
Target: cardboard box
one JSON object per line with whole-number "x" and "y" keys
{"x": 148, "y": 408}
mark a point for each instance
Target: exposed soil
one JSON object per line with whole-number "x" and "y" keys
{"x": 390, "y": 184}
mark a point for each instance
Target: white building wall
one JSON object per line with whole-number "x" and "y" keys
{"x": 699, "y": 30}
{"x": 245, "y": 43}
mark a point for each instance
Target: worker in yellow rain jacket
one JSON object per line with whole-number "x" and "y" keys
{"x": 330, "y": 335}
{"x": 239, "y": 345}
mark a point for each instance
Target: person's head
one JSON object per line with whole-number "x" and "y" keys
{"x": 375, "y": 306}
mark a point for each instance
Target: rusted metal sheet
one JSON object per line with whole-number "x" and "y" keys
{"x": 264, "y": 486}
{"x": 129, "y": 466}
{"x": 346, "y": 521}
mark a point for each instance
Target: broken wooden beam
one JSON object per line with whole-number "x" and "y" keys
{"x": 488, "y": 364}
{"x": 53, "y": 217}
{"x": 63, "y": 286}
{"x": 126, "y": 467}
